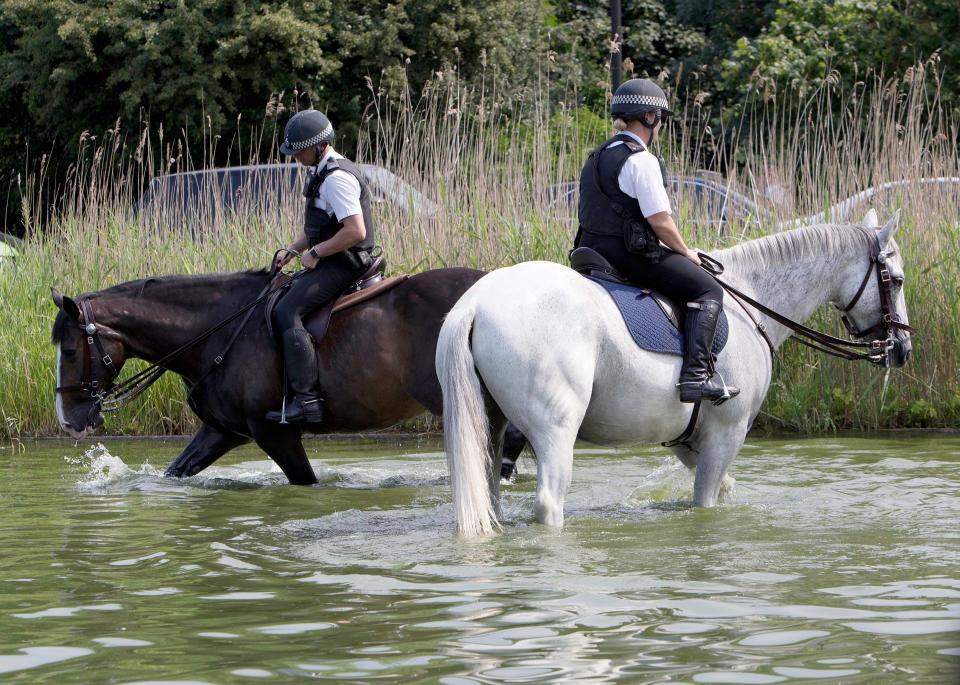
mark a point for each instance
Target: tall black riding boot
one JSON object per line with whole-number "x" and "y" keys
{"x": 301, "y": 361}
{"x": 699, "y": 329}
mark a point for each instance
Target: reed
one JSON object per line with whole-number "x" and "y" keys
{"x": 480, "y": 173}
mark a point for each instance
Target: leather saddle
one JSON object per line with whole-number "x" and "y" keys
{"x": 371, "y": 284}
{"x": 589, "y": 262}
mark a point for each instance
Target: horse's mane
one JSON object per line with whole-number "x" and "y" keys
{"x": 189, "y": 290}
{"x": 794, "y": 245}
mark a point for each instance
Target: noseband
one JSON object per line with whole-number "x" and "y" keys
{"x": 889, "y": 320}
{"x": 88, "y": 383}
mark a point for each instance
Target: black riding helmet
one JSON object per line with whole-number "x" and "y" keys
{"x": 637, "y": 96}
{"x": 306, "y": 129}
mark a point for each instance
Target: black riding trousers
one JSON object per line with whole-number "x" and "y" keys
{"x": 673, "y": 275}
{"x": 314, "y": 289}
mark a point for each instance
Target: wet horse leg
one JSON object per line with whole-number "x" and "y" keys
{"x": 554, "y": 452}
{"x": 715, "y": 457}
{"x": 283, "y": 444}
{"x": 208, "y": 445}
{"x": 498, "y": 424}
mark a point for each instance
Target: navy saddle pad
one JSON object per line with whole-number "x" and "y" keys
{"x": 648, "y": 325}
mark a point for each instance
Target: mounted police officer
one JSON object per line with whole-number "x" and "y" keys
{"x": 335, "y": 246}
{"x": 625, "y": 215}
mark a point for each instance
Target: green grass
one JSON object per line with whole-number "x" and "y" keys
{"x": 486, "y": 168}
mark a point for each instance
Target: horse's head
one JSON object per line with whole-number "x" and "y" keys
{"x": 89, "y": 358}
{"x": 872, "y": 299}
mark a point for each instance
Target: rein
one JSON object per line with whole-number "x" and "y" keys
{"x": 110, "y": 396}
{"x": 822, "y": 342}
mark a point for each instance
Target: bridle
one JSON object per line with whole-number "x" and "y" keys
{"x": 889, "y": 321}
{"x": 93, "y": 353}
{"x": 837, "y": 347}
{"x": 110, "y": 396}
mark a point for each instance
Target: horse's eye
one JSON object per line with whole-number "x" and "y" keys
{"x": 898, "y": 281}
{"x": 68, "y": 353}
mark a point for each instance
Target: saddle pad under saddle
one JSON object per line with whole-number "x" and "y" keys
{"x": 648, "y": 325}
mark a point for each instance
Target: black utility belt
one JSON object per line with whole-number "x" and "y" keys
{"x": 358, "y": 259}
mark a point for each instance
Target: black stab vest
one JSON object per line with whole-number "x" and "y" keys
{"x": 605, "y": 209}
{"x": 320, "y": 226}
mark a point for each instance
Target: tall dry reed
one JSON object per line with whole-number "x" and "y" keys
{"x": 480, "y": 186}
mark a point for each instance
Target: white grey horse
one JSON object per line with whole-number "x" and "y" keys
{"x": 547, "y": 349}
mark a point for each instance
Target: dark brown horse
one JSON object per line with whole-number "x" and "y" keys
{"x": 376, "y": 359}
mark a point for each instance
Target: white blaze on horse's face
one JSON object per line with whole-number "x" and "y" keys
{"x": 60, "y": 416}
{"x": 62, "y": 409}
{"x": 78, "y": 413}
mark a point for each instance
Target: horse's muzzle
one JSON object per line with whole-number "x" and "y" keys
{"x": 901, "y": 352}
{"x": 897, "y": 354}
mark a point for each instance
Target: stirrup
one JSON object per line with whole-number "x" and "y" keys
{"x": 727, "y": 391}
{"x": 304, "y": 411}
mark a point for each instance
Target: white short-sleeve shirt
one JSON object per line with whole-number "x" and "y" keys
{"x": 339, "y": 194}
{"x": 640, "y": 178}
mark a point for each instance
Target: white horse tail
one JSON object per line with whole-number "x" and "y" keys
{"x": 465, "y": 426}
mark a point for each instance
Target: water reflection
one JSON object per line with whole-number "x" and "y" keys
{"x": 834, "y": 559}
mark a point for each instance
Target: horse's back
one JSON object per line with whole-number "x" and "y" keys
{"x": 545, "y": 334}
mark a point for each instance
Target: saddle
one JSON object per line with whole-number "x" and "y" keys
{"x": 654, "y": 322}
{"x": 592, "y": 264}
{"x": 371, "y": 284}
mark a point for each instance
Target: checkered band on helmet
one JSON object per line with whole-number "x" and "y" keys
{"x": 649, "y": 100}
{"x": 636, "y": 96}
{"x": 305, "y": 130}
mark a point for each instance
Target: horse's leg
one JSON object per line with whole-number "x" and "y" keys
{"x": 554, "y": 450}
{"x": 498, "y": 425}
{"x": 686, "y": 456}
{"x": 283, "y": 444}
{"x": 208, "y": 445}
{"x": 513, "y": 443}
{"x": 716, "y": 455}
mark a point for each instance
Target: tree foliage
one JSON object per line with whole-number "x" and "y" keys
{"x": 70, "y": 68}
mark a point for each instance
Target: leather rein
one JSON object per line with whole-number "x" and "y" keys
{"x": 110, "y": 396}
{"x": 838, "y": 347}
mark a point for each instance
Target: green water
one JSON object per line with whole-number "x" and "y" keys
{"x": 837, "y": 561}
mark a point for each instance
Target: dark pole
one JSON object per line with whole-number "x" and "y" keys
{"x": 615, "y": 57}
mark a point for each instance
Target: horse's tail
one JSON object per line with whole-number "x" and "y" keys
{"x": 466, "y": 427}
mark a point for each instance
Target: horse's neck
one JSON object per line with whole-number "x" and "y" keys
{"x": 793, "y": 287}
{"x": 155, "y": 325}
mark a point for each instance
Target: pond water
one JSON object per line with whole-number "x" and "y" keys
{"x": 837, "y": 560}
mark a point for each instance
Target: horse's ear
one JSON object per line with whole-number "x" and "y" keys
{"x": 65, "y": 304}
{"x": 871, "y": 220}
{"x": 885, "y": 233}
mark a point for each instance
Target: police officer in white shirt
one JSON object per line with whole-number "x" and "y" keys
{"x": 625, "y": 215}
{"x": 335, "y": 246}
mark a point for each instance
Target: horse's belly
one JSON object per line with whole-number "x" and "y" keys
{"x": 651, "y": 416}
{"x": 634, "y": 397}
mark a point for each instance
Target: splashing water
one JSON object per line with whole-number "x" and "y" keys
{"x": 668, "y": 482}
{"x": 102, "y": 469}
